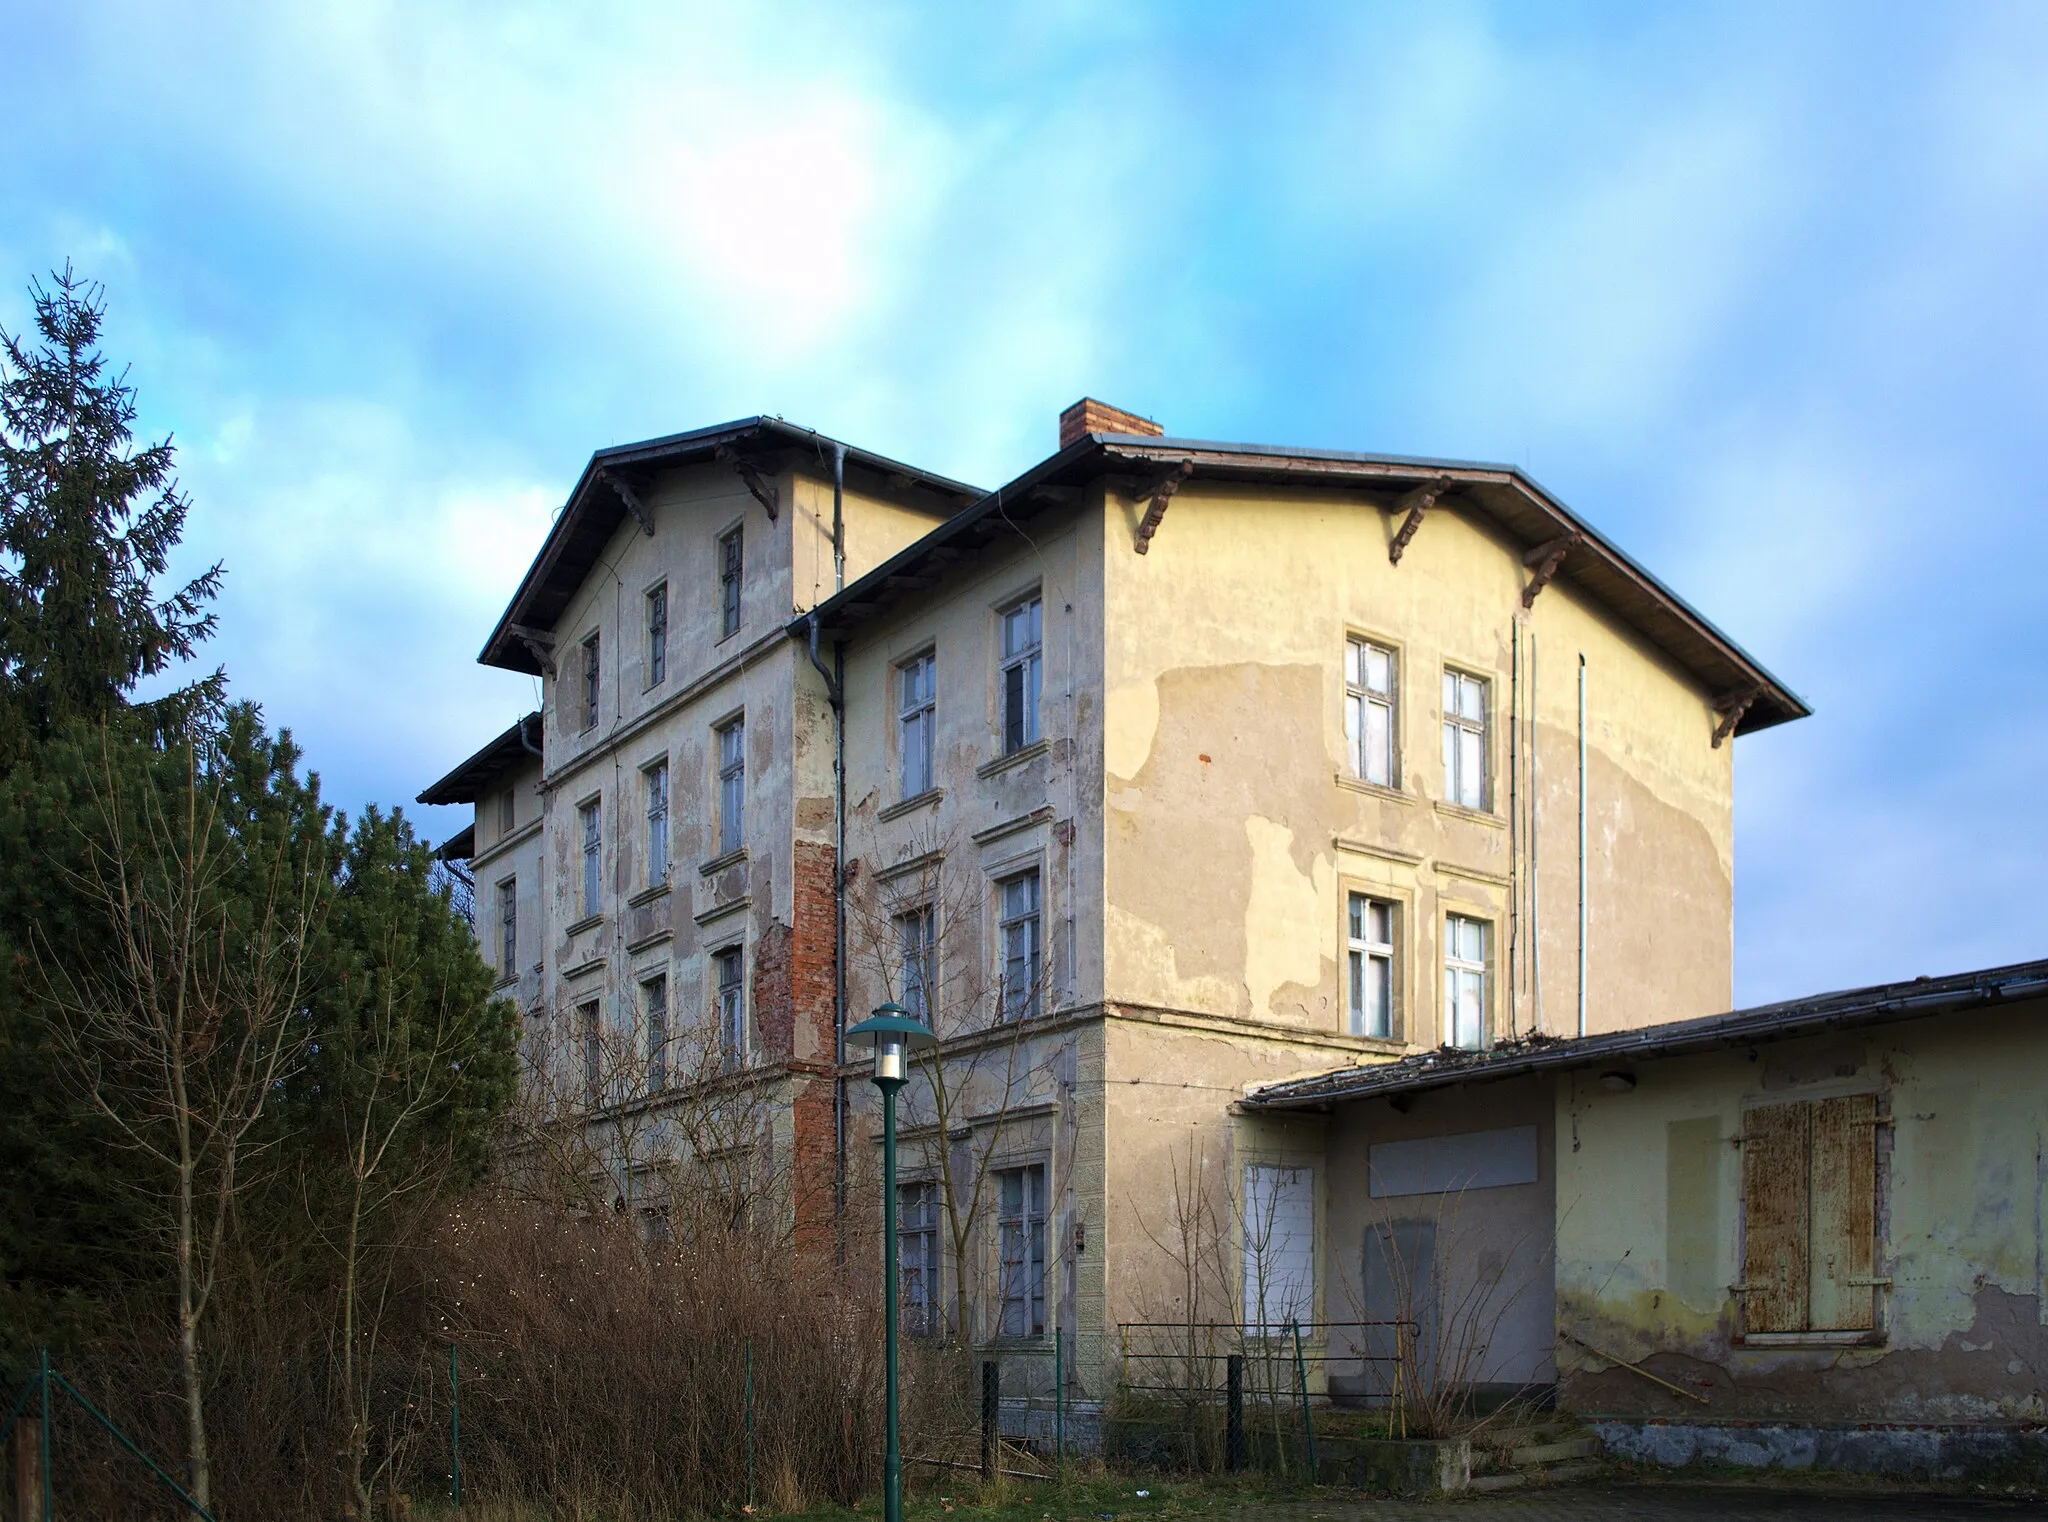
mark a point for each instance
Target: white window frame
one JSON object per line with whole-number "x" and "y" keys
{"x": 657, "y": 633}
{"x": 1369, "y": 962}
{"x": 1467, "y": 980}
{"x": 1021, "y": 664}
{"x": 1468, "y": 765}
{"x": 1021, "y": 1250}
{"x": 655, "y": 1022}
{"x": 590, "y": 814}
{"x": 916, "y": 720}
{"x": 508, "y": 927}
{"x": 654, "y": 781}
{"x": 917, "y": 960}
{"x": 1372, "y": 710}
{"x": 1020, "y": 943}
{"x": 732, "y": 784}
{"x": 730, "y": 995}
{"x": 732, "y": 571}
{"x": 919, "y": 1272}
{"x": 593, "y": 673}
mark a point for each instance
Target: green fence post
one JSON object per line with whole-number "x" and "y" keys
{"x": 750, "y": 1424}
{"x": 48, "y": 1513}
{"x": 1059, "y": 1396}
{"x": 454, "y": 1427}
{"x": 1308, "y": 1422}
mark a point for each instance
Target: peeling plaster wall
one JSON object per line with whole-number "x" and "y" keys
{"x": 1650, "y": 1229}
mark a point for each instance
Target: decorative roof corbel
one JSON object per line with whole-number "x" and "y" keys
{"x": 765, "y": 492}
{"x": 1156, "y": 496}
{"x": 1730, "y": 710}
{"x": 1544, "y": 560}
{"x": 632, "y": 500}
{"x": 1416, "y": 504}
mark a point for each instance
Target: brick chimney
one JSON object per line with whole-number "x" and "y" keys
{"x": 1090, "y": 416}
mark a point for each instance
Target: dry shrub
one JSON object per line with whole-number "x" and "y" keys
{"x": 605, "y": 1375}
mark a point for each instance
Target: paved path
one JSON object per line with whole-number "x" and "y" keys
{"x": 1657, "y": 1503}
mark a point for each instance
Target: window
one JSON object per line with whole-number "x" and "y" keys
{"x": 1464, "y": 982}
{"x": 1018, "y": 933}
{"x": 1369, "y": 711}
{"x": 592, "y": 816}
{"x": 654, "y": 1019}
{"x": 508, "y": 810}
{"x": 914, "y": 945}
{"x": 657, "y": 823}
{"x": 915, "y": 706}
{"x": 1020, "y": 1251}
{"x": 1465, "y": 739}
{"x": 732, "y": 786}
{"x": 508, "y": 928}
{"x": 1279, "y": 1248}
{"x": 657, "y": 634}
{"x": 730, "y": 967}
{"x": 917, "y": 1256}
{"x": 1809, "y": 1197}
{"x": 590, "y": 674}
{"x": 1371, "y": 946}
{"x": 731, "y": 569}
{"x": 1023, "y": 644}
{"x": 588, "y": 1017}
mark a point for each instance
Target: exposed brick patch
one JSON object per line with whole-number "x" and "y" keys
{"x": 774, "y": 1009}
{"x": 812, "y": 984}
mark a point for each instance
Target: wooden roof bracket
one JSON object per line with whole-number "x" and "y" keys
{"x": 1415, "y": 504}
{"x": 1160, "y": 492}
{"x": 765, "y": 493}
{"x": 1731, "y": 709}
{"x": 1544, "y": 560}
{"x": 538, "y": 641}
{"x": 633, "y": 503}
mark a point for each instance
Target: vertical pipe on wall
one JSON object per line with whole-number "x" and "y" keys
{"x": 1582, "y": 842}
{"x": 1535, "y": 839}
{"x": 1514, "y": 824}
{"x": 838, "y": 517}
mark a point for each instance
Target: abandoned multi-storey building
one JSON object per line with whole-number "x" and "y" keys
{"x": 1169, "y": 770}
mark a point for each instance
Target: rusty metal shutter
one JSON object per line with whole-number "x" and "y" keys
{"x": 1844, "y": 1240}
{"x": 1776, "y": 1154}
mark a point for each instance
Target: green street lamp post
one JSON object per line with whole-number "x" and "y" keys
{"x": 892, "y": 1030}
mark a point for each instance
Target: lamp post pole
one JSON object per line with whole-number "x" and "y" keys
{"x": 892, "y": 1462}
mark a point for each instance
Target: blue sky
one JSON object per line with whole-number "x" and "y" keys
{"x": 1760, "y": 289}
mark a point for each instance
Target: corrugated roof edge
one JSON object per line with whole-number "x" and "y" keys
{"x": 678, "y": 443}
{"x": 1878, "y": 1004}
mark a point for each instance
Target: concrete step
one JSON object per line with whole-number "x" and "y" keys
{"x": 1557, "y": 1452}
{"x": 1513, "y": 1480}
{"x": 1575, "y": 1469}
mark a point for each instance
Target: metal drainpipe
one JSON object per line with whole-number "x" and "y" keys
{"x": 1582, "y": 842}
{"x": 838, "y": 517}
{"x": 835, "y": 694}
{"x": 1535, "y": 841}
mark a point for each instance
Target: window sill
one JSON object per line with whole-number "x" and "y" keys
{"x": 588, "y": 922}
{"x": 929, "y": 798}
{"x": 508, "y": 980}
{"x": 1016, "y": 757}
{"x": 1374, "y": 789}
{"x": 1477, "y": 816}
{"x": 718, "y": 864}
{"x": 650, "y": 893}
{"x": 1811, "y": 1340}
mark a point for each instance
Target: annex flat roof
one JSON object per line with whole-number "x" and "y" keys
{"x": 594, "y": 512}
{"x": 1880, "y": 1004}
{"x": 1503, "y": 496}
{"x": 482, "y": 771}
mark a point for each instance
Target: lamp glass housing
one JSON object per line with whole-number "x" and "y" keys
{"x": 892, "y": 1055}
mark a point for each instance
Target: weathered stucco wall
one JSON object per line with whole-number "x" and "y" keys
{"x": 1235, "y": 828}
{"x": 1651, "y": 1224}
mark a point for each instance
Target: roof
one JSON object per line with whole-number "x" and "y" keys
{"x": 594, "y": 511}
{"x": 1500, "y": 495}
{"x": 461, "y": 846}
{"x": 1853, "y": 1008}
{"x": 514, "y": 749}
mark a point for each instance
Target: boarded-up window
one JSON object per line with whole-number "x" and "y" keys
{"x": 1279, "y": 1247}
{"x": 1809, "y": 1191}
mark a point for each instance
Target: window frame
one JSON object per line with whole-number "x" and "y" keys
{"x": 732, "y": 572}
{"x": 1026, "y": 1230}
{"x": 655, "y": 601}
{"x": 730, "y": 760}
{"x": 655, "y": 1024}
{"x": 590, "y": 1028}
{"x": 508, "y": 927}
{"x": 590, "y": 815}
{"x": 729, "y": 998}
{"x": 508, "y": 812}
{"x": 1457, "y": 966}
{"x": 917, "y": 957}
{"x": 1008, "y": 920}
{"x": 1028, "y": 661}
{"x": 1360, "y": 696}
{"x": 593, "y": 679}
{"x": 654, "y": 786}
{"x": 920, "y": 1263}
{"x": 916, "y": 724}
{"x": 1361, "y": 952}
{"x": 1457, "y": 725}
